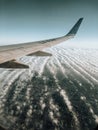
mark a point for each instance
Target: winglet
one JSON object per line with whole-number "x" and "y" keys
{"x": 75, "y": 28}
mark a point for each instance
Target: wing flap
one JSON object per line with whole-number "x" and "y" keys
{"x": 40, "y": 53}
{"x": 13, "y": 64}
{"x": 1, "y": 128}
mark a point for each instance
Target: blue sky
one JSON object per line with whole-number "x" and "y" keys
{"x": 33, "y": 20}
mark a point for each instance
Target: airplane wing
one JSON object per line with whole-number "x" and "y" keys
{"x": 9, "y": 53}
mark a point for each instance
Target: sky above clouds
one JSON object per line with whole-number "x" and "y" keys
{"x": 30, "y": 20}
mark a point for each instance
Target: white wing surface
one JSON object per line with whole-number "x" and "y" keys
{"x": 9, "y": 53}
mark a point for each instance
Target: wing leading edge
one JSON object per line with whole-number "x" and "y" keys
{"x": 9, "y": 53}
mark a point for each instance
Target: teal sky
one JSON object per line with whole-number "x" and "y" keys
{"x": 30, "y": 20}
